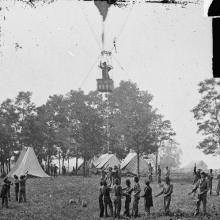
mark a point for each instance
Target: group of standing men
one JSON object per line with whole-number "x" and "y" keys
{"x": 111, "y": 182}
{"x": 20, "y": 189}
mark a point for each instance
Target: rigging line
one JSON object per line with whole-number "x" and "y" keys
{"x": 90, "y": 26}
{"x": 121, "y": 67}
{"x": 85, "y": 78}
{"x": 125, "y": 22}
{"x": 108, "y": 128}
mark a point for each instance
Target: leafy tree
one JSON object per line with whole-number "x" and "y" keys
{"x": 161, "y": 131}
{"x": 53, "y": 114}
{"x": 87, "y": 124}
{"x": 8, "y": 143}
{"x": 207, "y": 115}
{"x": 131, "y": 116}
{"x": 25, "y": 110}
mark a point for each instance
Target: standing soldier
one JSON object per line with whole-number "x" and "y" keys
{"x": 103, "y": 175}
{"x": 16, "y": 182}
{"x": 4, "y": 194}
{"x": 159, "y": 174}
{"x": 210, "y": 178}
{"x": 55, "y": 168}
{"x": 127, "y": 194}
{"x": 22, "y": 188}
{"x": 136, "y": 196}
{"x": 196, "y": 174}
{"x": 107, "y": 199}
{"x": 167, "y": 192}
{"x": 101, "y": 204}
{"x": 9, "y": 183}
{"x": 203, "y": 187}
{"x": 218, "y": 185}
{"x": 117, "y": 190}
{"x": 52, "y": 170}
{"x": 148, "y": 200}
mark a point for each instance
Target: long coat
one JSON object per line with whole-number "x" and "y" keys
{"x": 148, "y": 196}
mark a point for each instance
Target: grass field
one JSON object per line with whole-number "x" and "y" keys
{"x": 48, "y": 198}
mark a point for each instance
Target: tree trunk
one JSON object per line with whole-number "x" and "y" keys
{"x": 156, "y": 162}
{"x": 138, "y": 162}
{"x": 68, "y": 159}
{"x": 7, "y": 167}
{"x": 84, "y": 168}
{"x": 9, "y": 164}
{"x": 59, "y": 163}
{"x": 76, "y": 164}
{"x": 48, "y": 165}
{"x": 63, "y": 161}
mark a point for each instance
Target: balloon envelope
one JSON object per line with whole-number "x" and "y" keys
{"x": 103, "y": 7}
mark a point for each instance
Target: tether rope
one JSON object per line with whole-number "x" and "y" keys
{"x": 90, "y": 27}
{"x": 124, "y": 24}
{"x": 85, "y": 78}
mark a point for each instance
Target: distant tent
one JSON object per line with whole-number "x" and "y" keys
{"x": 92, "y": 162}
{"x": 105, "y": 161}
{"x": 70, "y": 164}
{"x": 190, "y": 166}
{"x": 129, "y": 164}
{"x": 27, "y": 161}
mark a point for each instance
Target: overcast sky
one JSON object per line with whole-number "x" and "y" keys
{"x": 165, "y": 49}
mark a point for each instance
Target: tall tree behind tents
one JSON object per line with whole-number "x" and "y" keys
{"x": 161, "y": 131}
{"x": 8, "y": 135}
{"x": 88, "y": 129}
{"x": 25, "y": 108}
{"x": 55, "y": 118}
{"x": 104, "y": 109}
{"x": 132, "y": 116}
{"x": 207, "y": 115}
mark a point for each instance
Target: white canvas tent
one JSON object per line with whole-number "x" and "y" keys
{"x": 129, "y": 164}
{"x": 105, "y": 161}
{"x": 27, "y": 161}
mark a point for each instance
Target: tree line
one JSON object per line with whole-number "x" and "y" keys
{"x": 83, "y": 125}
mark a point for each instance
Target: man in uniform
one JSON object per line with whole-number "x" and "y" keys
{"x": 16, "y": 182}
{"x": 136, "y": 196}
{"x": 101, "y": 204}
{"x": 196, "y": 174}
{"x": 117, "y": 190}
{"x": 127, "y": 194}
{"x": 203, "y": 186}
{"x": 107, "y": 199}
{"x": 22, "y": 188}
{"x": 55, "y": 168}
{"x": 167, "y": 192}
{"x": 4, "y": 193}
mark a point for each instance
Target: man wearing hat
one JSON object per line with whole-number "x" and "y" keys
{"x": 203, "y": 186}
